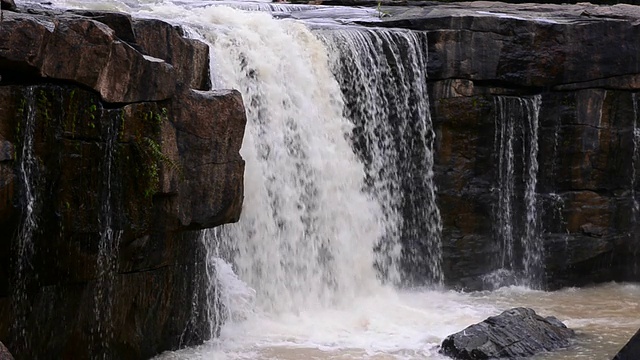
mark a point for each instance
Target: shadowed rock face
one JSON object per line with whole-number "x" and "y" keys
{"x": 110, "y": 161}
{"x": 516, "y": 333}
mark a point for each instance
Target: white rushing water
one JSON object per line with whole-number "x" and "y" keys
{"x": 296, "y": 274}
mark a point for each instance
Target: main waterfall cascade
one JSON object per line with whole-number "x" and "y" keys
{"x": 516, "y": 139}
{"x": 339, "y": 137}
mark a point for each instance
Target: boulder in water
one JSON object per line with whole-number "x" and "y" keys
{"x": 516, "y": 333}
{"x": 4, "y": 353}
{"x": 631, "y": 351}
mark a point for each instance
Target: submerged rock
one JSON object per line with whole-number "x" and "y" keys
{"x": 631, "y": 351}
{"x": 518, "y": 332}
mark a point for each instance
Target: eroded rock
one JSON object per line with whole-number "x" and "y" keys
{"x": 516, "y": 333}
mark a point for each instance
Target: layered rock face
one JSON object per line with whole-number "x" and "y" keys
{"x": 575, "y": 71}
{"x": 111, "y": 160}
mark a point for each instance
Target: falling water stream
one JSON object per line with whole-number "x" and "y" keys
{"x": 515, "y": 227}
{"x": 308, "y": 272}
{"x": 108, "y": 245}
{"x": 28, "y": 171}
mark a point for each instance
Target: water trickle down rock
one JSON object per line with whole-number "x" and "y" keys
{"x": 516, "y": 208}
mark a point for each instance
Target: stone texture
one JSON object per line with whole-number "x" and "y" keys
{"x": 631, "y": 350}
{"x": 190, "y": 58}
{"x": 32, "y": 44}
{"x": 537, "y": 45}
{"x": 120, "y": 143}
{"x": 516, "y": 333}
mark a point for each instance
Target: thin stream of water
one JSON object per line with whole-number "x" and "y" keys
{"x": 517, "y": 229}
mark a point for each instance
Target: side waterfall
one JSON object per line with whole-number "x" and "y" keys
{"x": 106, "y": 266}
{"x": 515, "y": 115}
{"x": 29, "y": 175}
{"x": 382, "y": 74}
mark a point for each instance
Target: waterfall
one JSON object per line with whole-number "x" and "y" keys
{"x": 307, "y": 231}
{"x": 382, "y": 74}
{"x": 634, "y": 161}
{"x": 513, "y": 114}
{"x": 532, "y": 241}
{"x": 28, "y": 170}
{"x": 106, "y": 266}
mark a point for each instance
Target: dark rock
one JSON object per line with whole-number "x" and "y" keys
{"x": 7, "y": 5}
{"x": 119, "y": 138}
{"x": 4, "y": 353}
{"x": 515, "y": 333}
{"x": 536, "y": 45}
{"x": 631, "y": 351}
{"x": 32, "y": 44}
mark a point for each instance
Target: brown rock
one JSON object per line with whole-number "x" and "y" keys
{"x": 33, "y": 43}
{"x": 190, "y": 58}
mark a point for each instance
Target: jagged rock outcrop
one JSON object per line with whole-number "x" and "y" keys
{"x": 110, "y": 161}
{"x": 631, "y": 350}
{"x": 514, "y": 334}
{"x": 583, "y": 63}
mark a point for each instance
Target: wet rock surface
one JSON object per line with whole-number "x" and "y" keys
{"x": 631, "y": 350}
{"x": 110, "y": 163}
{"x": 514, "y": 334}
{"x": 482, "y": 52}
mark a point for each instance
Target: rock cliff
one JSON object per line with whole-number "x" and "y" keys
{"x": 111, "y": 159}
{"x": 581, "y": 64}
